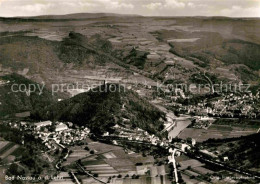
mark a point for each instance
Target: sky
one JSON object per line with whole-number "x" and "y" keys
{"x": 230, "y": 8}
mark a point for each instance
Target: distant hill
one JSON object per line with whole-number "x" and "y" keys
{"x": 68, "y": 17}
{"x": 42, "y": 60}
{"x": 228, "y": 51}
{"x": 101, "y": 108}
{"x": 15, "y": 102}
{"x": 18, "y": 51}
{"x": 75, "y": 49}
{"x": 227, "y": 47}
{"x": 84, "y": 16}
{"x": 211, "y": 46}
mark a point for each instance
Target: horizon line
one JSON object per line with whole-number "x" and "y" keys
{"x": 168, "y": 16}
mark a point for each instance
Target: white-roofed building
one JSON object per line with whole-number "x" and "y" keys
{"x": 42, "y": 124}
{"x": 61, "y": 127}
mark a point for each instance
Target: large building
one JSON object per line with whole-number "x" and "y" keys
{"x": 42, "y": 124}
{"x": 61, "y": 127}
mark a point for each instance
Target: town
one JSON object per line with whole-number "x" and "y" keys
{"x": 67, "y": 144}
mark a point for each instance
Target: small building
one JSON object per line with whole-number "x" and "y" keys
{"x": 87, "y": 130}
{"x": 115, "y": 142}
{"x": 177, "y": 153}
{"x": 193, "y": 142}
{"x": 70, "y": 124}
{"x": 184, "y": 147}
{"x": 106, "y": 134}
{"x": 23, "y": 123}
{"x": 225, "y": 159}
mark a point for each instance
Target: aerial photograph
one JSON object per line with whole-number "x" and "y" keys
{"x": 129, "y": 91}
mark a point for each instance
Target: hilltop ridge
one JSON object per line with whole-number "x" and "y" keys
{"x": 103, "y": 107}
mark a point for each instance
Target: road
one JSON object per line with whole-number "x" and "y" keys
{"x": 174, "y": 165}
{"x": 76, "y": 179}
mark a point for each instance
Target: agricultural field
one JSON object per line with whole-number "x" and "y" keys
{"x": 186, "y": 177}
{"x": 108, "y": 161}
{"x": 9, "y": 150}
{"x": 192, "y": 170}
{"x": 78, "y": 153}
{"x": 219, "y": 131}
{"x": 202, "y": 170}
{"x": 190, "y": 163}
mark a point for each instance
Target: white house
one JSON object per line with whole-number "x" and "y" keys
{"x": 184, "y": 147}
{"x": 106, "y": 134}
{"x": 225, "y": 159}
{"x": 193, "y": 142}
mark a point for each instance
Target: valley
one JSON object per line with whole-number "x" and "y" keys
{"x": 109, "y": 98}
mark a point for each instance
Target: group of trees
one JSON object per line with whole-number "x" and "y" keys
{"x": 10, "y": 134}
{"x": 15, "y": 170}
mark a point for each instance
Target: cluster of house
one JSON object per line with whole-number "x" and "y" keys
{"x": 214, "y": 155}
{"x": 59, "y": 126}
{"x": 2, "y": 82}
{"x": 136, "y": 134}
{"x": 62, "y": 135}
{"x": 201, "y": 122}
{"x": 231, "y": 105}
{"x": 184, "y": 146}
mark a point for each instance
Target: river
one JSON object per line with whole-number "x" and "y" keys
{"x": 180, "y": 125}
